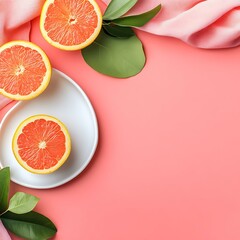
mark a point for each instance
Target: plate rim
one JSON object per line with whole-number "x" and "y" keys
{"x": 93, "y": 149}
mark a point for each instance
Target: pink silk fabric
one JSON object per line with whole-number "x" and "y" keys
{"x": 204, "y": 24}
{"x": 3, "y": 233}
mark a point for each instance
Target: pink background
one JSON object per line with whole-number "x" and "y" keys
{"x": 167, "y": 164}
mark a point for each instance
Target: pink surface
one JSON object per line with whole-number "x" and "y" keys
{"x": 167, "y": 163}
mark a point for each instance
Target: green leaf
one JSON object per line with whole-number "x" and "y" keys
{"x": 117, "y": 31}
{"x": 4, "y": 188}
{"x": 137, "y": 20}
{"x": 117, "y": 8}
{"x": 31, "y": 225}
{"x": 22, "y": 203}
{"x": 115, "y": 57}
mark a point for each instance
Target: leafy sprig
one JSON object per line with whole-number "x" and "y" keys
{"x": 17, "y": 215}
{"x": 117, "y": 51}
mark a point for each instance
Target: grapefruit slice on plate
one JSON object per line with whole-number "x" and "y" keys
{"x": 70, "y": 24}
{"x": 25, "y": 70}
{"x": 41, "y": 144}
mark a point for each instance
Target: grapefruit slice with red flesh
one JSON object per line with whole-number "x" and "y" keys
{"x": 70, "y": 24}
{"x": 25, "y": 70}
{"x": 41, "y": 144}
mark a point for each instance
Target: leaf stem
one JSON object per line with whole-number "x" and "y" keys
{"x": 104, "y": 23}
{"x": 3, "y": 212}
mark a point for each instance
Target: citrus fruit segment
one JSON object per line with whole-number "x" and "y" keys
{"x": 70, "y": 24}
{"x": 41, "y": 144}
{"x": 25, "y": 70}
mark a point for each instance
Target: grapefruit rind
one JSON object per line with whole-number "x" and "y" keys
{"x": 19, "y": 131}
{"x": 46, "y": 79}
{"x": 70, "y": 47}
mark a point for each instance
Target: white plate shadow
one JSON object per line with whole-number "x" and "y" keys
{"x": 65, "y": 100}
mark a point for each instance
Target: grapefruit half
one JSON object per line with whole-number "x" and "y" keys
{"x": 70, "y": 24}
{"x": 41, "y": 144}
{"x": 25, "y": 70}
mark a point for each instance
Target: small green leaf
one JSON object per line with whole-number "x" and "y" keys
{"x": 31, "y": 225}
{"x": 4, "y": 188}
{"x": 22, "y": 203}
{"x": 117, "y": 8}
{"x": 119, "y": 32}
{"x": 115, "y": 57}
{"x": 137, "y": 20}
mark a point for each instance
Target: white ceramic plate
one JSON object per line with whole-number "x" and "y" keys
{"x": 65, "y": 100}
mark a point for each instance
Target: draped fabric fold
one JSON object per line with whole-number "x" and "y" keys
{"x": 15, "y": 17}
{"x": 3, "y": 232}
{"x": 205, "y": 24}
